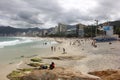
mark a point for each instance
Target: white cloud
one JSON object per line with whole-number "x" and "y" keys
{"x": 31, "y": 13}
{"x": 81, "y": 5}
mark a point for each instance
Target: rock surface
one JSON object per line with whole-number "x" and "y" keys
{"x": 107, "y": 74}
{"x": 56, "y": 74}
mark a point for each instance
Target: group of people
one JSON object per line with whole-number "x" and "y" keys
{"x": 53, "y": 48}
{"x": 83, "y": 42}
{"x": 51, "y": 66}
{"x": 77, "y": 42}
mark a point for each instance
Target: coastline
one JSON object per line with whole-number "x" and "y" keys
{"x": 88, "y": 56}
{"x": 18, "y": 62}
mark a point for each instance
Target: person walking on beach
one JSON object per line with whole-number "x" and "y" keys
{"x": 51, "y": 48}
{"x": 63, "y": 50}
{"x": 94, "y": 43}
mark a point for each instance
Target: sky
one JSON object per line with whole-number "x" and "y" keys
{"x": 48, "y": 13}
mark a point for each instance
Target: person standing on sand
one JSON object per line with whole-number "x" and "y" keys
{"x": 63, "y": 50}
{"x": 51, "y": 48}
{"x": 94, "y": 43}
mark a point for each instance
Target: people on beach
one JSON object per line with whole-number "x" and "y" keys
{"x": 54, "y": 48}
{"x": 52, "y": 65}
{"x": 51, "y": 48}
{"x": 94, "y": 43}
{"x": 43, "y": 67}
{"x": 110, "y": 43}
{"x": 45, "y": 43}
{"x": 63, "y": 50}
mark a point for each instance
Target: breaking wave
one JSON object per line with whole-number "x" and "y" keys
{"x": 15, "y": 42}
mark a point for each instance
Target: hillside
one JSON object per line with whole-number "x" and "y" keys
{"x": 11, "y": 30}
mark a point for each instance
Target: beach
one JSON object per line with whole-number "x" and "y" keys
{"x": 82, "y": 57}
{"x": 89, "y": 58}
{"x": 15, "y": 51}
{"x": 79, "y": 56}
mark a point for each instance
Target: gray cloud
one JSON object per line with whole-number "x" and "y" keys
{"x": 107, "y": 10}
{"x": 32, "y": 13}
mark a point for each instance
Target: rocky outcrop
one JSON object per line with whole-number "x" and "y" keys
{"x": 55, "y": 74}
{"x": 107, "y": 74}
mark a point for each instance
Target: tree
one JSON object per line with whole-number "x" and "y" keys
{"x": 89, "y": 31}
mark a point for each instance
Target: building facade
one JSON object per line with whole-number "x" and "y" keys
{"x": 61, "y": 28}
{"x": 80, "y": 30}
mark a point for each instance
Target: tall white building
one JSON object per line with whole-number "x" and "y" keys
{"x": 80, "y": 29}
{"x": 62, "y": 28}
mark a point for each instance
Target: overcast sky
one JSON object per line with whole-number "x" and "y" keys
{"x": 47, "y": 13}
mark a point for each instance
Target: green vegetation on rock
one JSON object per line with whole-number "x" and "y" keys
{"x": 36, "y": 60}
{"x": 15, "y": 75}
{"x": 34, "y": 64}
{"x": 25, "y": 69}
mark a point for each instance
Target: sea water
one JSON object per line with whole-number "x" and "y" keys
{"x": 13, "y": 49}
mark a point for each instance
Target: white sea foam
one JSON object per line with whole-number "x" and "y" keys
{"x": 15, "y": 42}
{"x": 30, "y": 38}
{"x": 54, "y": 42}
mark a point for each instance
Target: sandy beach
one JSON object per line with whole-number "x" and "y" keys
{"x": 79, "y": 55}
{"x": 86, "y": 57}
{"x": 6, "y": 70}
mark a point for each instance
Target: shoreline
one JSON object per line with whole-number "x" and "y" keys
{"x": 85, "y": 49}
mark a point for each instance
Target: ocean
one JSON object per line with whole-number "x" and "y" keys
{"x": 14, "y": 49}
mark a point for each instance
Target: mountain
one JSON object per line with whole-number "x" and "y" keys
{"x": 112, "y": 23}
{"x": 11, "y": 30}
{"x": 115, "y": 23}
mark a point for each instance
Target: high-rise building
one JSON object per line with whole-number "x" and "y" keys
{"x": 62, "y": 28}
{"x": 80, "y": 30}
